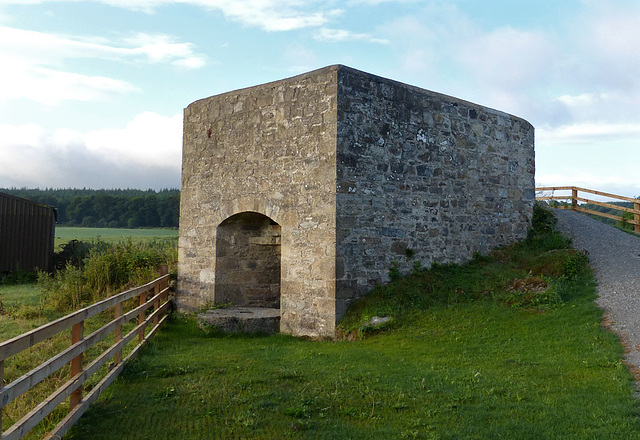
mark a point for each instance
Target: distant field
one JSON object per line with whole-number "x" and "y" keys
{"x": 65, "y": 234}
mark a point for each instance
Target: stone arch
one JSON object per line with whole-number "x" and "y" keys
{"x": 248, "y": 261}
{"x": 260, "y": 205}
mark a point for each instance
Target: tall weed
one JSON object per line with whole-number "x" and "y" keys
{"x": 623, "y": 223}
{"x": 106, "y": 270}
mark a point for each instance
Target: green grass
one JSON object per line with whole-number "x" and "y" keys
{"x": 20, "y": 309}
{"x": 21, "y": 294}
{"x": 508, "y": 346}
{"x": 64, "y": 234}
{"x": 468, "y": 371}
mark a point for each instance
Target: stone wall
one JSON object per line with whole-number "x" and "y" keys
{"x": 423, "y": 177}
{"x": 269, "y": 149}
{"x": 359, "y": 172}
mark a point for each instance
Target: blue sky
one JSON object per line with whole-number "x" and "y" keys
{"x": 92, "y": 92}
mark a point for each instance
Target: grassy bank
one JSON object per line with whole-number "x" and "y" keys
{"x": 508, "y": 346}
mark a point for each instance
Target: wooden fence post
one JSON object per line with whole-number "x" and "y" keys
{"x": 636, "y": 217}
{"x": 143, "y": 299}
{"x": 77, "y": 333}
{"x": 574, "y": 199}
{"x": 156, "y": 302}
{"x": 118, "y": 334}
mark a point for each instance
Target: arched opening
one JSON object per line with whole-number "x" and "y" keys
{"x": 248, "y": 261}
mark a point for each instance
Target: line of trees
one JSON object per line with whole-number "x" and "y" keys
{"x": 116, "y": 208}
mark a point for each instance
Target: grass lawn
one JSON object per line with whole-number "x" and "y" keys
{"x": 65, "y": 234}
{"x": 477, "y": 370}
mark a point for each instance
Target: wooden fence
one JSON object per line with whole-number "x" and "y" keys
{"x": 152, "y": 295}
{"x": 574, "y": 198}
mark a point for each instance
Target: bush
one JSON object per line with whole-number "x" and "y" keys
{"x": 542, "y": 235}
{"x": 74, "y": 253}
{"x": 18, "y": 277}
{"x": 543, "y": 220}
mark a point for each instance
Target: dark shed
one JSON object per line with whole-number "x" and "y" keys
{"x": 26, "y": 234}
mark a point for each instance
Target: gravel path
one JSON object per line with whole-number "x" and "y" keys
{"x": 615, "y": 258}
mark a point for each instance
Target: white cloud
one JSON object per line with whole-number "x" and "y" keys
{"x": 445, "y": 49}
{"x": 50, "y": 87}
{"x": 149, "y": 139}
{"x": 508, "y": 58}
{"x": 582, "y": 68}
{"x": 581, "y": 100}
{"x": 342, "y": 35}
{"x": 33, "y": 64}
{"x": 590, "y": 133}
{"x": 50, "y": 49}
{"x": 442, "y": 48}
{"x": 379, "y": 2}
{"x": 602, "y": 156}
{"x": 145, "y": 153}
{"x": 270, "y": 15}
{"x": 613, "y": 29}
{"x": 614, "y": 107}
{"x": 163, "y": 49}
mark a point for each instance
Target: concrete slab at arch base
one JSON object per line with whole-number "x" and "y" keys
{"x": 241, "y": 320}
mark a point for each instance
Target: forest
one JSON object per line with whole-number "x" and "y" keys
{"x": 108, "y": 208}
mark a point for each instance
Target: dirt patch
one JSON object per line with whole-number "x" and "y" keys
{"x": 528, "y": 285}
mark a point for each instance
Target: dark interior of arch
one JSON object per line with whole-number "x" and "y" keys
{"x": 248, "y": 261}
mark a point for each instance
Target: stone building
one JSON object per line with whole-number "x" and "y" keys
{"x": 301, "y": 194}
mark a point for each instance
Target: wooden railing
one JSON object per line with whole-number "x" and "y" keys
{"x": 574, "y": 198}
{"x": 152, "y": 295}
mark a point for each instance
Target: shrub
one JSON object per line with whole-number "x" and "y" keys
{"x": 542, "y": 221}
{"x": 74, "y": 253}
{"x": 18, "y": 277}
{"x": 542, "y": 235}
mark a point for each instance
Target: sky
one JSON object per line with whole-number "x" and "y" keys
{"x": 92, "y": 92}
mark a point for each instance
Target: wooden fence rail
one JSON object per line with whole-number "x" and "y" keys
{"x": 153, "y": 295}
{"x": 574, "y": 198}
